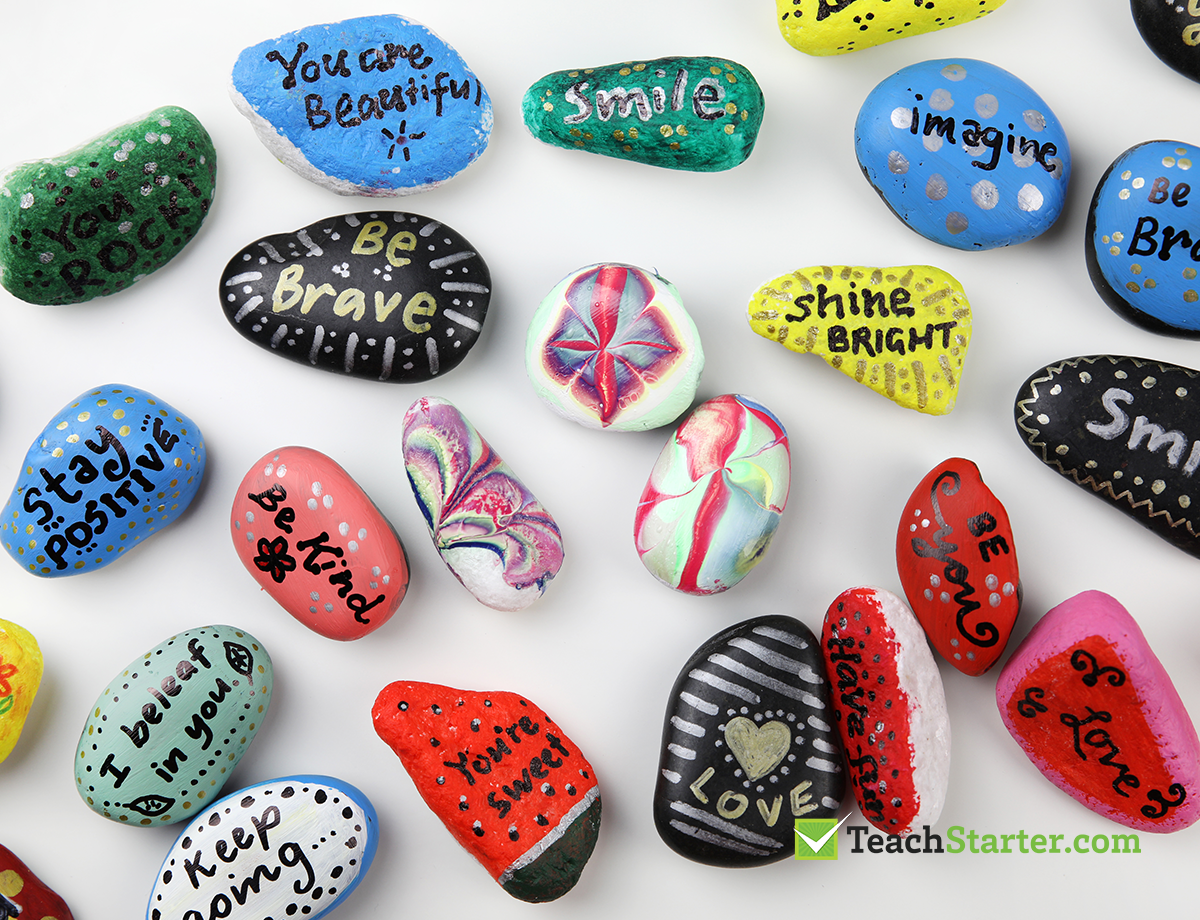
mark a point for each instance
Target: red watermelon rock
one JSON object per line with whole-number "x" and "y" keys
{"x": 958, "y": 565}
{"x": 502, "y": 776}
{"x": 1093, "y": 708}
{"x": 23, "y": 894}
{"x": 890, "y": 708}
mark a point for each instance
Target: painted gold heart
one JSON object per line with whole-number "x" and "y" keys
{"x": 758, "y": 749}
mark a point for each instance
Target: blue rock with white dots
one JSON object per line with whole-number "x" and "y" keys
{"x": 964, "y": 153}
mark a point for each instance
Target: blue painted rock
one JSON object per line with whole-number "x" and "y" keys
{"x": 1143, "y": 237}
{"x": 374, "y": 106}
{"x": 611, "y": 346}
{"x": 1125, "y": 429}
{"x": 108, "y": 213}
{"x": 1171, "y": 29}
{"x": 694, "y": 113}
{"x": 748, "y": 746}
{"x": 382, "y": 296}
{"x": 316, "y": 543}
{"x": 24, "y": 894}
{"x": 841, "y": 26}
{"x": 296, "y": 846}
{"x": 109, "y": 470}
{"x": 167, "y": 731}
{"x": 964, "y": 153}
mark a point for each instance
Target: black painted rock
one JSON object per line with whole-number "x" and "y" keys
{"x": 1125, "y": 429}
{"x": 1171, "y": 28}
{"x": 748, "y": 746}
{"x": 379, "y": 295}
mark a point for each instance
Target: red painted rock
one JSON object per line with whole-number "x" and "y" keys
{"x": 890, "y": 708}
{"x": 958, "y": 565}
{"x": 317, "y": 544}
{"x": 1092, "y": 707}
{"x": 504, "y": 779}
{"x": 24, "y": 895}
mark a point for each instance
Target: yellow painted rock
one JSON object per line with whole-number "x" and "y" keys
{"x": 840, "y": 26}
{"x": 902, "y": 331}
{"x": 20, "y": 674}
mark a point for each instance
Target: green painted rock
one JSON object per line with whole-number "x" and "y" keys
{"x": 696, "y": 113}
{"x": 106, "y": 214}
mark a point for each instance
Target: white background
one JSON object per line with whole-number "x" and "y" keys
{"x": 602, "y": 648}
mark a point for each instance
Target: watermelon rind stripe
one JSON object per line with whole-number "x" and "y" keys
{"x": 552, "y": 837}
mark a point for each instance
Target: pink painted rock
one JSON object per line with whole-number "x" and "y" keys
{"x": 958, "y": 565}
{"x": 317, "y": 544}
{"x": 890, "y": 708}
{"x": 1092, "y": 707}
{"x": 24, "y": 895}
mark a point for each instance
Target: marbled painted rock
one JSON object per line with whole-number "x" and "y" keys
{"x": 108, "y": 213}
{"x": 695, "y": 113}
{"x": 748, "y": 746}
{"x": 958, "y": 564}
{"x": 296, "y": 846}
{"x": 20, "y": 674}
{"x": 373, "y": 106}
{"x": 1091, "y": 705}
{"x": 1143, "y": 237}
{"x": 964, "y": 153}
{"x": 1171, "y": 29}
{"x": 714, "y": 497}
{"x": 490, "y": 530}
{"x": 316, "y": 543}
{"x": 23, "y": 894}
{"x": 611, "y": 346}
{"x": 109, "y": 470}
{"x": 510, "y": 787}
{"x": 382, "y": 296}
{"x": 902, "y": 331}
{"x": 890, "y": 708}
{"x": 178, "y": 720}
{"x": 1125, "y": 429}
{"x": 840, "y": 26}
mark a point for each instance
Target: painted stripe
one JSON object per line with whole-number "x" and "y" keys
{"x": 431, "y": 353}
{"x": 765, "y": 655}
{"x": 313, "y": 248}
{"x": 429, "y": 228}
{"x": 710, "y": 837}
{"x": 819, "y": 725}
{"x": 688, "y": 728}
{"x": 709, "y": 709}
{"x": 830, "y": 803}
{"x": 809, "y": 676}
{"x": 271, "y": 251}
{"x": 389, "y": 352}
{"x": 315, "y": 350}
{"x": 451, "y": 259}
{"x": 348, "y": 355}
{"x": 681, "y": 752}
{"x": 247, "y": 308}
{"x": 243, "y": 278}
{"x": 724, "y": 826}
{"x": 551, "y": 838}
{"x": 825, "y": 747}
{"x": 779, "y": 635}
{"x": 455, "y": 317}
{"x": 764, "y": 680}
{"x": 278, "y": 336}
{"x": 725, "y": 686}
{"x": 671, "y": 776}
{"x": 466, "y": 286}
{"x": 825, "y": 766}
{"x": 809, "y": 700}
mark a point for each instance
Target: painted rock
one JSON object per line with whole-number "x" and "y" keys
{"x": 611, "y": 346}
{"x": 179, "y": 719}
{"x": 1125, "y": 429}
{"x": 395, "y": 296}
{"x": 1172, "y": 31}
{"x": 20, "y": 675}
{"x": 958, "y": 564}
{"x": 841, "y": 26}
{"x": 889, "y": 699}
{"x": 374, "y": 106}
{"x": 296, "y": 505}
{"x": 514, "y": 790}
{"x": 116, "y": 452}
{"x": 902, "y": 331}
{"x": 108, "y": 213}
{"x": 964, "y": 153}
{"x": 293, "y": 846}
{"x": 1143, "y": 237}
{"x": 1091, "y": 705}
{"x": 23, "y": 894}
{"x": 748, "y": 746}
{"x": 714, "y": 497}
{"x": 490, "y": 530}
{"x": 695, "y": 113}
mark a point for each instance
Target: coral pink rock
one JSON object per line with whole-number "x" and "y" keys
{"x": 23, "y": 894}
{"x": 1092, "y": 707}
{"x": 890, "y": 708}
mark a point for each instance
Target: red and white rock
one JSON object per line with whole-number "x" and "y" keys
{"x": 1092, "y": 707}
{"x": 958, "y": 565}
{"x": 890, "y": 708}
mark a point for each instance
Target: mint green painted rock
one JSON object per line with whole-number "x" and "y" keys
{"x": 106, "y": 214}
{"x": 166, "y": 733}
{"x": 695, "y": 113}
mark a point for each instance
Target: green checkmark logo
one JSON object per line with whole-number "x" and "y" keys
{"x": 816, "y": 838}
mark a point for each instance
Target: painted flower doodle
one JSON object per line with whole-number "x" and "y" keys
{"x": 273, "y": 558}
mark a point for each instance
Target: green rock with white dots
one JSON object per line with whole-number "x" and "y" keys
{"x": 102, "y": 216}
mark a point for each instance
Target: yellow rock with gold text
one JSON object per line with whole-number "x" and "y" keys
{"x": 825, "y": 27}
{"x": 902, "y": 331}
{"x": 20, "y": 674}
